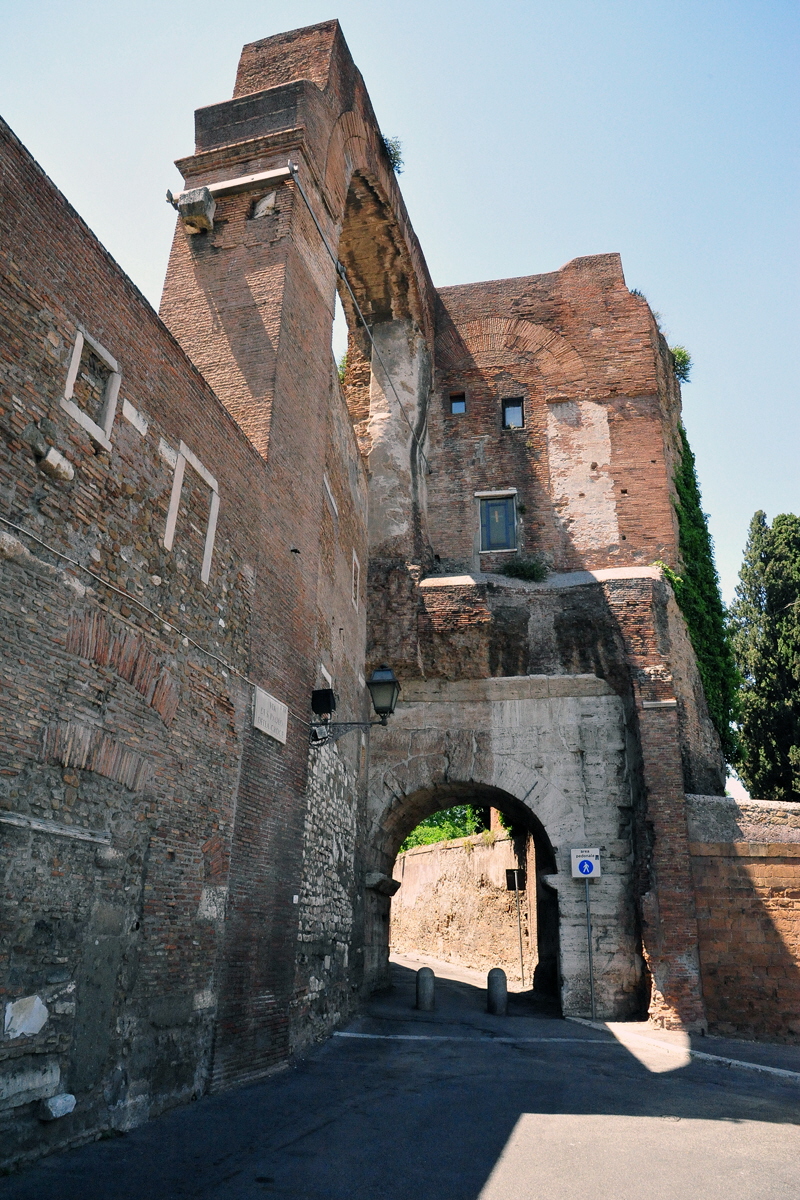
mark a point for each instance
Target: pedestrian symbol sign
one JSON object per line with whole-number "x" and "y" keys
{"x": 586, "y": 864}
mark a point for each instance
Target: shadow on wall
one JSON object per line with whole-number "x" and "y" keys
{"x": 748, "y": 917}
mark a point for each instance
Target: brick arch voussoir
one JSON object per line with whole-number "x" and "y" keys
{"x": 356, "y": 159}
{"x": 495, "y": 341}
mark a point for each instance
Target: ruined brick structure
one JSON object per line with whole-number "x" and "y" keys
{"x": 200, "y": 525}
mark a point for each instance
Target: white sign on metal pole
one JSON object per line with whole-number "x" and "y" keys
{"x": 270, "y": 716}
{"x": 586, "y": 864}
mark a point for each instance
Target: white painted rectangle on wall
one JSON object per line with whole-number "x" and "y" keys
{"x": 270, "y": 716}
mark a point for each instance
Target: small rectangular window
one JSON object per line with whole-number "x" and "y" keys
{"x": 458, "y": 402}
{"x": 513, "y": 417}
{"x": 498, "y": 524}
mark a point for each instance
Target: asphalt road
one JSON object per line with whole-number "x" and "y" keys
{"x": 435, "y": 1106}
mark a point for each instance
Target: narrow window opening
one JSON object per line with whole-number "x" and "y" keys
{"x": 356, "y": 580}
{"x": 91, "y": 384}
{"x": 498, "y": 524}
{"x": 513, "y": 417}
{"x": 458, "y": 403}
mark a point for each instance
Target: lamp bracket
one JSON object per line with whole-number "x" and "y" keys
{"x": 325, "y": 732}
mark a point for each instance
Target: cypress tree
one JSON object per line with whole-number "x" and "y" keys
{"x": 765, "y": 631}
{"x": 698, "y": 595}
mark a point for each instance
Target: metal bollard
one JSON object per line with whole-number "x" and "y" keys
{"x": 497, "y": 992}
{"x": 426, "y": 989}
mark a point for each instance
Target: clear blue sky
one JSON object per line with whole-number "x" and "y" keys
{"x": 532, "y": 133}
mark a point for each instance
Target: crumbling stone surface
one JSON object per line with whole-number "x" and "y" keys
{"x": 453, "y": 903}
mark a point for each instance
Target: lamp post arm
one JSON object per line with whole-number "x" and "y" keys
{"x": 330, "y": 731}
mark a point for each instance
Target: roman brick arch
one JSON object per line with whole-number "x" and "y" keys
{"x": 495, "y": 342}
{"x": 549, "y": 752}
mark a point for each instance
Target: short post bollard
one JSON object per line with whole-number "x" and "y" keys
{"x": 426, "y": 989}
{"x": 497, "y": 992}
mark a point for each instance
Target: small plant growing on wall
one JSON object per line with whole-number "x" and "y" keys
{"x": 681, "y": 362}
{"x": 394, "y": 149}
{"x": 532, "y": 569}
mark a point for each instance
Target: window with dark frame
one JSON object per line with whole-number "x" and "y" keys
{"x": 513, "y": 413}
{"x": 458, "y": 403}
{"x": 498, "y": 523}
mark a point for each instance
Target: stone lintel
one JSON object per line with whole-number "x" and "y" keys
{"x": 222, "y": 157}
{"x": 555, "y": 582}
{"x": 517, "y": 687}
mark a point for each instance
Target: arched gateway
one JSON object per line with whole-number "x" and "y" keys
{"x": 525, "y": 419}
{"x": 550, "y": 752}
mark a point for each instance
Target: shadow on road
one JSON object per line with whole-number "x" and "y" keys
{"x": 436, "y": 1106}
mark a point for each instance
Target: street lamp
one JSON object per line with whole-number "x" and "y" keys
{"x": 384, "y": 690}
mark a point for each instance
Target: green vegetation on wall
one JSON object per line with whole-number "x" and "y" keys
{"x": 698, "y": 595}
{"x": 394, "y": 149}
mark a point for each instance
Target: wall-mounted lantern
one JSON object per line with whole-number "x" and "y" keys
{"x": 384, "y": 689}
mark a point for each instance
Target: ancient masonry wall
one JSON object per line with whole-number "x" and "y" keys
{"x": 746, "y": 870}
{"x": 152, "y": 837}
{"x": 592, "y": 462}
{"x": 550, "y": 751}
{"x": 453, "y": 903}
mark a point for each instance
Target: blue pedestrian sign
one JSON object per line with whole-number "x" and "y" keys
{"x": 586, "y": 864}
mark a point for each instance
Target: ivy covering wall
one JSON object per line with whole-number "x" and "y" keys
{"x": 698, "y": 595}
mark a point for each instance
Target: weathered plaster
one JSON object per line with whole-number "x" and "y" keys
{"x": 579, "y": 455}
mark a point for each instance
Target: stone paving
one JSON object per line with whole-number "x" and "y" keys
{"x": 460, "y": 1105}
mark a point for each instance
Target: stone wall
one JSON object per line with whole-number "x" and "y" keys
{"x": 153, "y": 569}
{"x": 746, "y": 869}
{"x": 453, "y": 903}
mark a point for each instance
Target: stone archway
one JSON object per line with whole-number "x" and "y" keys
{"x": 540, "y": 865}
{"x": 551, "y": 751}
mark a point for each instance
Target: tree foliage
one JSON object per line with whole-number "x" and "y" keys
{"x": 697, "y": 592}
{"x": 765, "y": 631}
{"x": 461, "y": 821}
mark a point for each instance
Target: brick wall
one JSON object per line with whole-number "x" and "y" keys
{"x": 746, "y": 872}
{"x": 164, "y": 950}
{"x": 594, "y": 461}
